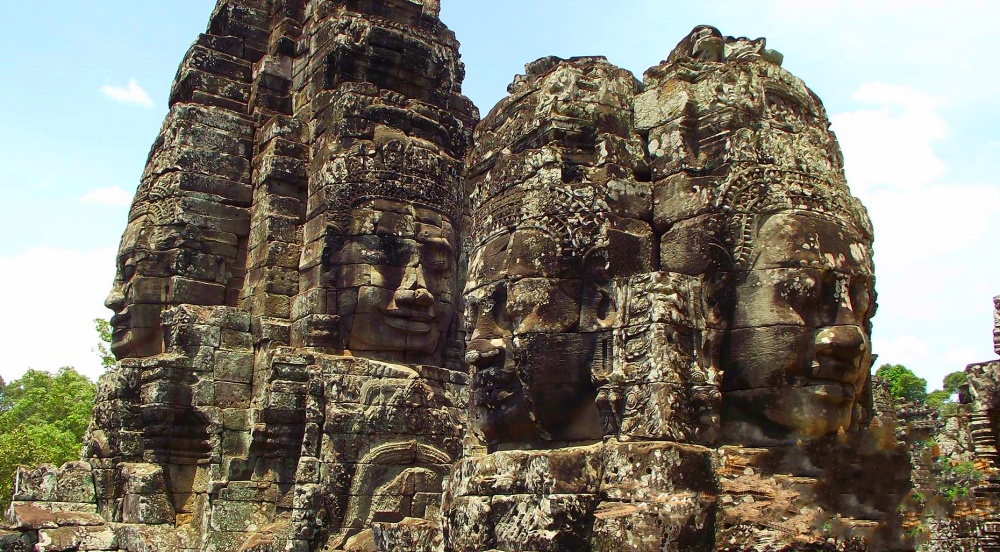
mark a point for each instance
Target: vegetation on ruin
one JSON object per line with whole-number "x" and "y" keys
{"x": 908, "y": 387}
{"x": 957, "y": 478}
{"x": 103, "y": 349}
{"x": 903, "y": 383}
{"x": 43, "y": 418}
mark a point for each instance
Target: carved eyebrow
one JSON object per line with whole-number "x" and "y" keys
{"x": 130, "y": 254}
{"x": 438, "y": 243}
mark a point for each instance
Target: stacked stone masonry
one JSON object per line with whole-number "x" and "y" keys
{"x": 612, "y": 315}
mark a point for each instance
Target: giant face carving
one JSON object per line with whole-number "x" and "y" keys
{"x": 394, "y": 276}
{"x": 533, "y": 334}
{"x": 996, "y": 325}
{"x": 135, "y": 325}
{"x": 798, "y": 350}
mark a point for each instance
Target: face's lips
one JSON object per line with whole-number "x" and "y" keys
{"x": 120, "y": 327}
{"x": 833, "y": 370}
{"x": 120, "y": 322}
{"x": 493, "y": 384}
{"x": 493, "y": 397}
{"x": 829, "y": 391}
{"x": 409, "y": 320}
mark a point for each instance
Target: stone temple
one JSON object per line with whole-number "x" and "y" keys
{"x": 611, "y": 314}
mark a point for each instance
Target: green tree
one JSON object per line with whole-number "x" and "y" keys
{"x": 103, "y": 349}
{"x": 45, "y": 421}
{"x": 941, "y": 399}
{"x": 955, "y": 380}
{"x": 938, "y": 398}
{"x": 903, "y": 383}
{"x": 4, "y": 406}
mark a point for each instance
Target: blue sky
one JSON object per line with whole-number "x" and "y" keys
{"x": 910, "y": 86}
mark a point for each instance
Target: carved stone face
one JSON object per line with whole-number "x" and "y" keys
{"x": 996, "y": 324}
{"x": 135, "y": 326}
{"x": 798, "y": 350}
{"x": 530, "y": 361}
{"x": 395, "y": 276}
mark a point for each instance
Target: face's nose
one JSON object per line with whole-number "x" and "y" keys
{"x": 485, "y": 352}
{"x": 412, "y": 291}
{"x": 115, "y": 300}
{"x": 845, "y": 343}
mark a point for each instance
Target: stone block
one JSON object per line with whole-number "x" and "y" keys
{"x": 658, "y": 411}
{"x": 48, "y": 515}
{"x": 147, "y": 509}
{"x": 692, "y": 246}
{"x": 468, "y": 524}
{"x": 682, "y": 196}
{"x": 148, "y": 538}
{"x": 543, "y": 523}
{"x": 72, "y": 482}
{"x": 236, "y": 339}
{"x": 676, "y": 523}
{"x": 62, "y": 539}
{"x": 196, "y": 292}
{"x": 644, "y": 471}
{"x": 234, "y": 516}
{"x": 16, "y": 541}
{"x": 418, "y": 535}
{"x": 571, "y": 470}
{"x": 233, "y": 366}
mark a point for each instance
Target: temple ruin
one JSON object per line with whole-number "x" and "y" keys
{"x": 611, "y": 314}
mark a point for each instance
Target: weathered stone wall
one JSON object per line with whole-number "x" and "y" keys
{"x": 287, "y": 304}
{"x": 638, "y": 261}
{"x": 626, "y": 315}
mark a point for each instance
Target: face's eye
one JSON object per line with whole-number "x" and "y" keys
{"x": 437, "y": 259}
{"x": 471, "y": 315}
{"x": 390, "y": 251}
{"x": 128, "y": 270}
{"x": 488, "y": 313}
{"x": 861, "y": 295}
{"x": 800, "y": 290}
{"x": 832, "y": 296}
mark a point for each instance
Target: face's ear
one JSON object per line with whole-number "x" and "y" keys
{"x": 452, "y": 345}
{"x": 333, "y": 242}
{"x": 596, "y": 266}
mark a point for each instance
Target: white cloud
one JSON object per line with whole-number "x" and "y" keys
{"x": 131, "y": 94}
{"x": 892, "y": 165}
{"x": 932, "y": 235}
{"x": 917, "y": 224}
{"x": 942, "y": 45}
{"x": 51, "y": 298}
{"x": 892, "y": 145}
{"x": 112, "y": 195}
{"x": 903, "y": 349}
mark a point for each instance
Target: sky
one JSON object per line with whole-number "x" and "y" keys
{"x": 909, "y": 85}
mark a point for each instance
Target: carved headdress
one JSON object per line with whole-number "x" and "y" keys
{"x": 395, "y": 170}
{"x": 761, "y": 191}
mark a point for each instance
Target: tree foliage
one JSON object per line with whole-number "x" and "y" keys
{"x": 4, "y": 407}
{"x": 103, "y": 348}
{"x": 43, "y": 418}
{"x": 938, "y": 398}
{"x": 955, "y": 380}
{"x": 903, "y": 383}
{"x": 942, "y": 398}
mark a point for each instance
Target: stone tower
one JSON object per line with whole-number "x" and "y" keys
{"x": 623, "y": 314}
{"x": 288, "y": 294}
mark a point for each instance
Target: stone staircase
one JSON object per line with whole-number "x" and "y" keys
{"x": 983, "y": 438}
{"x": 989, "y": 537}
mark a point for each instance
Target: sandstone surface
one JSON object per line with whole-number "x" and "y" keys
{"x": 614, "y": 314}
